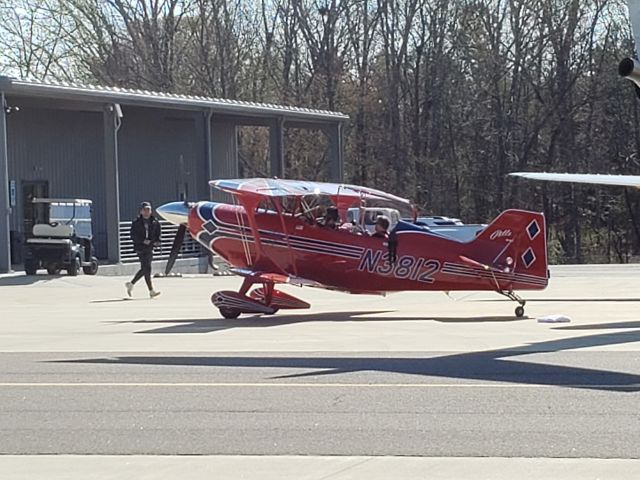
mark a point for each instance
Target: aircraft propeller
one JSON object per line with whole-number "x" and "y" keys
{"x": 175, "y": 248}
{"x": 178, "y": 214}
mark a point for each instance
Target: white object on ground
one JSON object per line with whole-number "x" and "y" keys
{"x": 557, "y": 318}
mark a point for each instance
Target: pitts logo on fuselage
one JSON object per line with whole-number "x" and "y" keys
{"x": 501, "y": 234}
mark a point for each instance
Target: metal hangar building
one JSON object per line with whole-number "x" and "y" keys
{"x": 119, "y": 147}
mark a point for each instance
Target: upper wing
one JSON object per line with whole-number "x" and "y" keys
{"x": 618, "y": 180}
{"x": 273, "y": 187}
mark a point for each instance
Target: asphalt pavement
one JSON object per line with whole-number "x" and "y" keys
{"x": 567, "y": 404}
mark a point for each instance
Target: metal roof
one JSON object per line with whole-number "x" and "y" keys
{"x": 64, "y": 201}
{"x": 126, "y": 96}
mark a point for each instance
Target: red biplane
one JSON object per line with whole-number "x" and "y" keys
{"x": 274, "y": 233}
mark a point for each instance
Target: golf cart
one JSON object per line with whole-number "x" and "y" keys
{"x": 61, "y": 237}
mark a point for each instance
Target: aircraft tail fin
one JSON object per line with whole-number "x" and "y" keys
{"x": 518, "y": 239}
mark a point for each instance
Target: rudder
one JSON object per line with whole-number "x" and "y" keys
{"x": 520, "y": 239}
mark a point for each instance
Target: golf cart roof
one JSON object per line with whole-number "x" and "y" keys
{"x": 63, "y": 201}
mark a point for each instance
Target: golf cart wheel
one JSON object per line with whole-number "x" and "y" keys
{"x": 30, "y": 267}
{"x": 74, "y": 267}
{"x": 93, "y": 268}
{"x": 519, "y": 312}
{"x": 53, "y": 269}
{"x": 229, "y": 313}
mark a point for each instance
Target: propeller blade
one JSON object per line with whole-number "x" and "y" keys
{"x": 175, "y": 248}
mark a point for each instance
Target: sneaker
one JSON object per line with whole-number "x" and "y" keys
{"x": 153, "y": 294}
{"x": 129, "y": 287}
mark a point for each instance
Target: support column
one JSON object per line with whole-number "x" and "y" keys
{"x": 276, "y": 148}
{"x": 336, "y": 165}
{"x": 224, "y": 158}
{"x": 5, "y": 208}
{"x": 208, "y": 152}
{"x": 112, "y": 122}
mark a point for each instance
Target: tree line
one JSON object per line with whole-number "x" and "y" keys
{"x": 445, "y": 97}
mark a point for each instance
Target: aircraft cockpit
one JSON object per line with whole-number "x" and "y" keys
{"x": 357, "y": 214}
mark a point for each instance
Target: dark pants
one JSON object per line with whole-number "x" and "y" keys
{"x": 146, "y": 257}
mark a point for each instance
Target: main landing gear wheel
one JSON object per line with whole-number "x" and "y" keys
{"x": 520, "y": 312}
{"x": 229, "y": 313}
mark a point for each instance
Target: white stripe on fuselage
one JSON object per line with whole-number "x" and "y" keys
{"x": 310, "y": 245}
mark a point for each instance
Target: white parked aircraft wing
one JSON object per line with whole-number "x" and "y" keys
{"x": 619, "y": 180}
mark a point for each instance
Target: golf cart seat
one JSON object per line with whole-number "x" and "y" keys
{"x": 54, "y": 230}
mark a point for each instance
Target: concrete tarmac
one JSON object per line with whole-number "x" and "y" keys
{"x": 148, "y": 467}
{"x": 88, "y": 371}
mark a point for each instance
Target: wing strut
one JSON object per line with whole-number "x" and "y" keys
{"x": 278, "y": 203}
{"x": 243, "y": 234}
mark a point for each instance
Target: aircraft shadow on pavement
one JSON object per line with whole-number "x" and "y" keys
{"x": 564, "y": 300}
{"x": 212, "y": 325}
{"x": 24, "y": 280}
{"x": 117, "y": 300}
{"x": 500, "y": 365}
{"x": 603, "y": 326}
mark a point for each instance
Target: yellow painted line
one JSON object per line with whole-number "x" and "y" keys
{"x": 305, "y": 385}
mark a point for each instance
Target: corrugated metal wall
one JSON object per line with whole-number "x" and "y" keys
{"x": 161, "y": 156}
{"x": 64, "y": 147}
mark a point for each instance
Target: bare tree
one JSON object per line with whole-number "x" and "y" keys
{"x": 446, "y": 96}
{"x": 33, "y": 42}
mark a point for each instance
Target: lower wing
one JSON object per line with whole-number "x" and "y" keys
{"x": 269, "y": 277}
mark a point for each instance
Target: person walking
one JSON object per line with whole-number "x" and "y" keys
{"x": 145, "y": 234}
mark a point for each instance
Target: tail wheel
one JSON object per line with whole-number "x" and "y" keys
{"x": 229, "y": 313}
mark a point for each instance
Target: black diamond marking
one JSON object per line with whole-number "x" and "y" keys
{"x": 209, "y": 232}
{"x": 528, "y": 257}
{"x": 533, "y": 229}
{"x": 209, "y": 226}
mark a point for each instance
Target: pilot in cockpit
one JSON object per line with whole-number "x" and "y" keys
{"x": 381, "y": 227}
{"x": 331, "y": 218}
